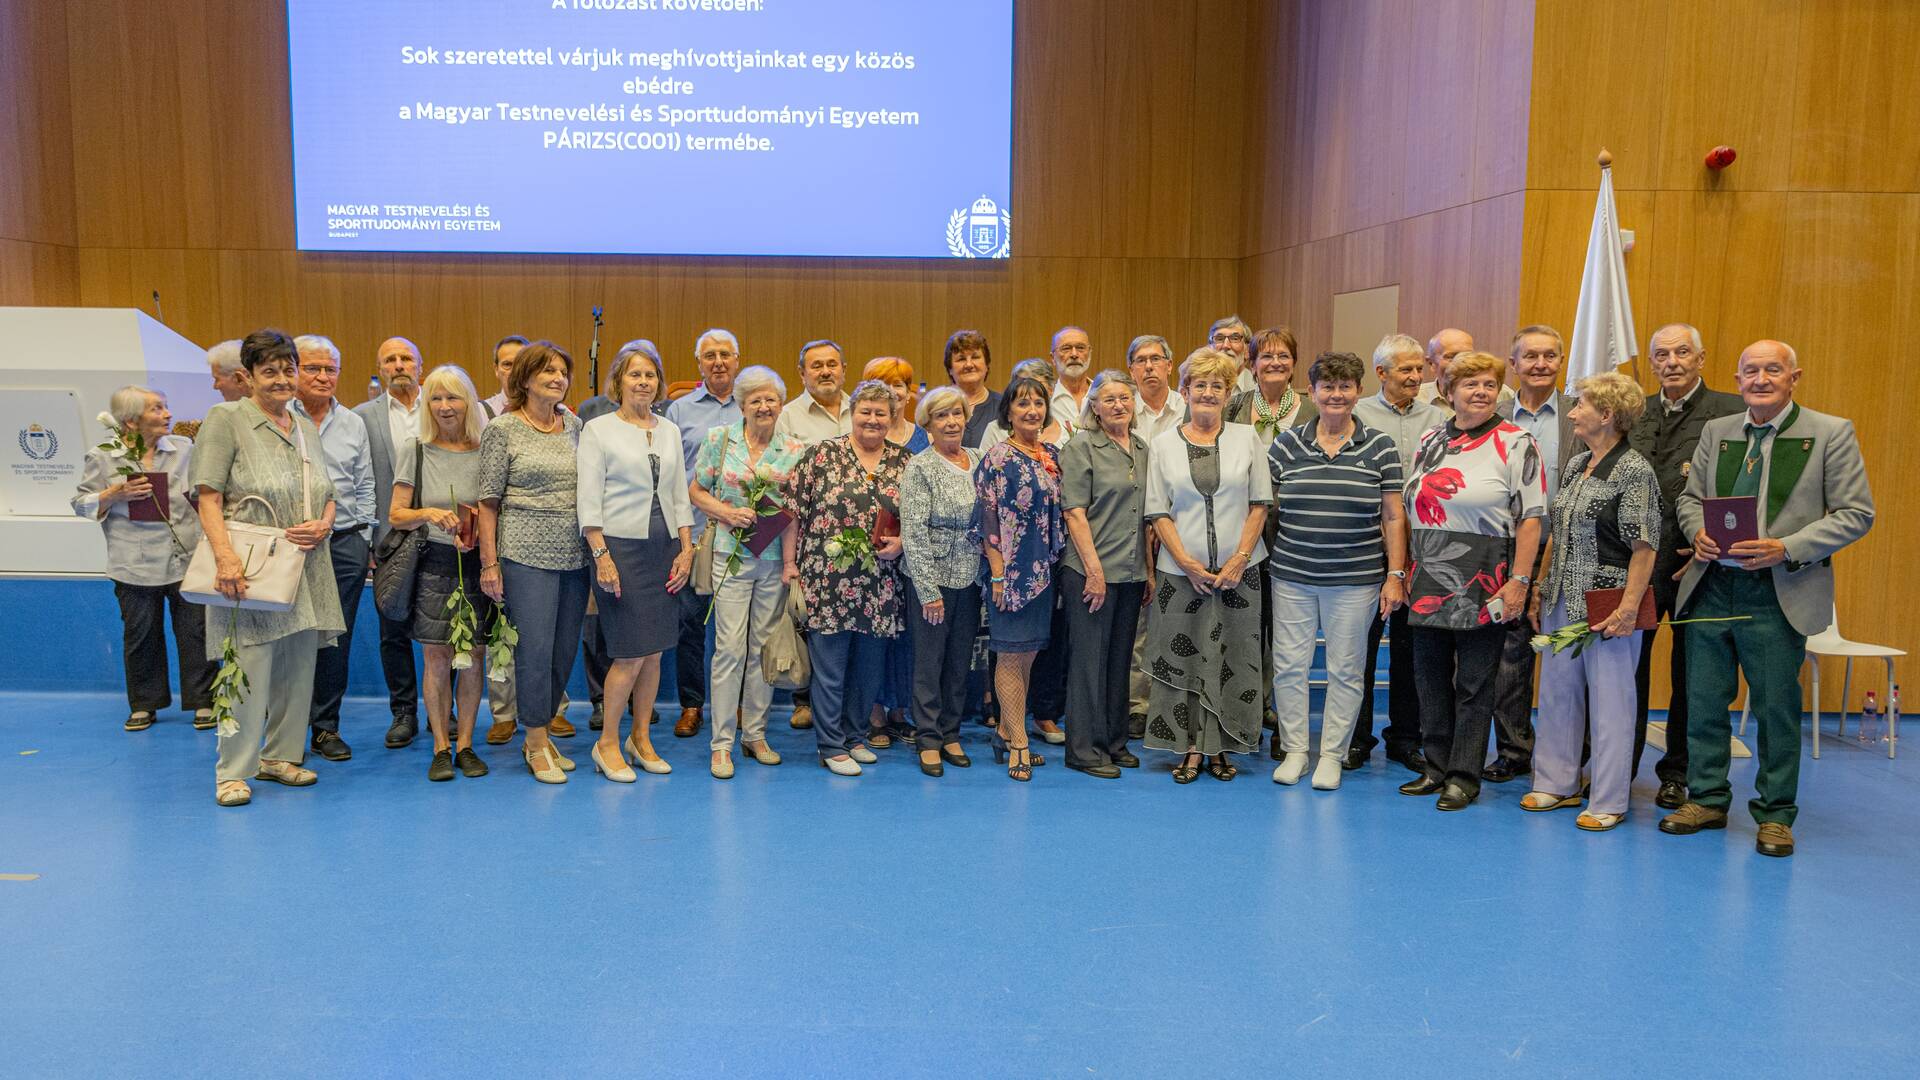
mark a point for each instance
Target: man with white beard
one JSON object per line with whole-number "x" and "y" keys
{"x": 1072, "y": 355}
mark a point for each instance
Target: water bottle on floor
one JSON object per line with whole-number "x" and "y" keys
{"x": 1869, "y": 730}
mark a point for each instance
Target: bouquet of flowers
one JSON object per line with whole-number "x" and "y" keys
{"x": 763, "y": 498}
{"x": 500, "y": 645}
{"x": 130, "y": 447}
{"x": 851, "y": 545}
{"x": 230, "y": 684}
{"x": 1578, "y": 635}
{"x": 463, "y": 623}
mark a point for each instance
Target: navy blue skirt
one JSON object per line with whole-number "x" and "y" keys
{"x": 1026, "y": 630}
{"x": 645, "y": 618}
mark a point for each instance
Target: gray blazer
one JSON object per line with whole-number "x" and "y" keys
{"x": 1817, "y": 503}
{"x": 380, "y": 438}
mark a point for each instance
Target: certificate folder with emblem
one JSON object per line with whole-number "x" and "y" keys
{"x": 156, "y": 508}
{"x": 1602, "y": 603}
{"x": 766, "y": 531}
{"x": 1731, "y": 520}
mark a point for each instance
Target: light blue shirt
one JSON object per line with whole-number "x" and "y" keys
{"x": 349, "y": 457}
{"x": 1544, "y": 425}
{"x": 695, "y": 414}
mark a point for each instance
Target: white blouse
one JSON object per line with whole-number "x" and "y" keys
{"x": 1245, "y": 481}
{"x": 616, "y": 489}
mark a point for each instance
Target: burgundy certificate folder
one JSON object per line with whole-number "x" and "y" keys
{"x": 766, "y": 531}
{"x": 1604, "y": 602}
{"x": 1731, "y": 520}
{"x": 145, "y": 509}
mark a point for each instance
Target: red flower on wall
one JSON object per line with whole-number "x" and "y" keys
{"x": 1436, "y": 488}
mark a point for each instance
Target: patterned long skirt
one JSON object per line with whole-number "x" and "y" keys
{"x": 1204, "y": 660}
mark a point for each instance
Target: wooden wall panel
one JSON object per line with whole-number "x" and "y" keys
{"x": 38, "y": 263}
{"x": 1810, "y": 237}
{"x": 1129, "y": 120}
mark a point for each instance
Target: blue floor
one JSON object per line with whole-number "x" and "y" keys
{"x": 790, "y": 923}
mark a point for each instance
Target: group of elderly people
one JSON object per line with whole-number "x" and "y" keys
{"x": 1097, "y": 528}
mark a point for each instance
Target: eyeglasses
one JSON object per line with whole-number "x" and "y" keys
{"x": 711, "y": 356}
{"x": 1225, "y": 338}
{"x": 317, "y": 370}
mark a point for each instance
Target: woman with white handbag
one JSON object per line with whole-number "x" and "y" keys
{"x": 259, "y": 465}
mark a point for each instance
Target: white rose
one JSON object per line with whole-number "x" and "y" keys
{"x": 835, "y": 549}
{"x": 463, "y": 661}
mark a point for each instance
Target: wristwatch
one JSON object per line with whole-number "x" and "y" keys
{"x": 1523, "y": 579}
{"x": 1401, "y": 574}
{"x": 596, "y": 552}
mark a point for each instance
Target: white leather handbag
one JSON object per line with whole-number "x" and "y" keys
{"x": 271, "y": 563}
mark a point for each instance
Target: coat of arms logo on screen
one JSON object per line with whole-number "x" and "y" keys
{"x": 38, "y": 443}
{"x": 984, "y": 232}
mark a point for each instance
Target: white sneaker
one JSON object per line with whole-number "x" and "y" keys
{"x": 1326, "y": 774}
{"x": 842, "y": 766}
{"x": 862, "y": 755}
{"x": 1290, "y": 767}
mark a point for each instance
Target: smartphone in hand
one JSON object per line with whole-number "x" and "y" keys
{"x": 1496, "y": 610}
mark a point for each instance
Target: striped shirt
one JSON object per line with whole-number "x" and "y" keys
{"x": 1327, "y": 509}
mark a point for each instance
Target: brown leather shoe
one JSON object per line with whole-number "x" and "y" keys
{"x": 1691, "y": 818}
{"x": 559, "y": 728}
{"x": 802, "y": 717}
{"x": 501, "y": 733}
{"x": 1775, "y": 839}
{"x": 688, "y": 724}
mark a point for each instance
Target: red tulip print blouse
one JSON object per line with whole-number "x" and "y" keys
{"x": 1466, "y": 494}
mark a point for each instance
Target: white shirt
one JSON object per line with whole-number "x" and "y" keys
{"x": 615, "y": 485}
{"x": 1150, "y": 425}
{"x": 1065, "y": 406}
{"x": 1669, "y": 406}
{"x": 403, "y": 423}
{"x": 1244, "y": 480}
{"x": 809, "y": 421}
{"x": 496, "y": 407}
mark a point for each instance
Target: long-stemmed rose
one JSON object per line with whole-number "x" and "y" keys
{"x": 462, "y": 621}
{"x": 230, "y": 684}
{"x": 130, "y": 447}
{"x": 762, "y": 491}
{"x": 1578, "y": 635}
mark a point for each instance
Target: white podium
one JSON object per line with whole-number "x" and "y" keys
{"x": 58, "y": 369}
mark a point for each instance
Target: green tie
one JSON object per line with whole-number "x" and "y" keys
{"x": 1748, "y": 482}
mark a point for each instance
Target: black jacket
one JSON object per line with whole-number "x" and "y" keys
{"x": 1668, "y": 442}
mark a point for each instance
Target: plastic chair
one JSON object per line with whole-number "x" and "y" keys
{"x": 1830, "y": 642}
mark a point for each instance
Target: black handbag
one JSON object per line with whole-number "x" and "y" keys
{"x": 397, "y": 557}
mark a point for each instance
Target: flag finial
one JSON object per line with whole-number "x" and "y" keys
{"x": 1606, "y": 158}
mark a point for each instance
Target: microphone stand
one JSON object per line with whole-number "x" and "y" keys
{"x": 593, "y": 355}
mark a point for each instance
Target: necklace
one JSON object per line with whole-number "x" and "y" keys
{"x": 1267, "y": 416}
{"x": 558, "y": 422}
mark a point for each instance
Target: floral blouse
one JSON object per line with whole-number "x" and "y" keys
{"x": 1017, "y": 513}
{"x": 1596, "y": 521}
{"x": 1469, "y": 490}
{"x": 829, "y": 490}
{"x": 727, "y": 480}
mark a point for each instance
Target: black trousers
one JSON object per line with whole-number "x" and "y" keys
{"x": 1513, "y": 694}
{"x": 690, "y": 654}
{"x": 1673, "y": 764}
{"x": 1098, "y": 668}
{"x": 1403, "y": 696}
{"x": 144, "y": 610}
{"x": 942, "y": 659}
{"x": 593, "y": 646}
{"x": 1455, "y": 671}
{"x": 1047, "y": 688}
{"x": 350, "y": 553}
{"x": 396, "y": 663}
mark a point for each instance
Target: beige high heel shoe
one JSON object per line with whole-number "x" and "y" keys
{"x": 543, "y": 764}
{"x": 654, "y": 765}
{"x": 619, "y": 774}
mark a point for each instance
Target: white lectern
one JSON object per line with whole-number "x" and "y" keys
{"x": 58, "y": 368}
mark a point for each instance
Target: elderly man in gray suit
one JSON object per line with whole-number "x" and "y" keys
{"x": 393, "y": 426}
{"x": 1804, "y": 471}
{"x": 1534, "y": 357}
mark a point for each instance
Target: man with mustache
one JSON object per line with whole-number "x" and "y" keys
{"x": 1072, "y": 356}
{"x": 393, "y": 426}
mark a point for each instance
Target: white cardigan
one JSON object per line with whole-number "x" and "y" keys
{"x": 615, "y": 491}
{"x": 1245, "y": 481}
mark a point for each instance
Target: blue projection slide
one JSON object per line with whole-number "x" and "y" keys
{"x": 674, "y": 127}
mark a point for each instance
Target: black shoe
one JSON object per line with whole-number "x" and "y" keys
{"x": 1421, "y": 785}
{"x": 958, "y": 761}
{"x": 1104, "y": 772}
{"x": 1673, "y": 794}
{"x": 1356, "y": 758}
{"x": 329, "y": 745}
{"x": 599, "y": 718}
{"x": 1502, "y": 770}
{"x": 1412, "y": 760}
{"x": 1453, "y": 797}
{"x": 932, "y": 768}
{"x": 404, "y": 730}
{"x": 1136, "y": 725}
{"x": 1273, "y": 748}
{"x": 1126, "y": 760}
{"x": 442, "y": 767}
{"x": 470, "y": 763}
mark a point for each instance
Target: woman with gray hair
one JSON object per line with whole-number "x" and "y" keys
{"x": 936, "y": 512}
{"x": 151, "y": 526}
{"x": 1605, "y": 522}
{"x": 1104, "y": 574}
{"x": 746, "y": 456}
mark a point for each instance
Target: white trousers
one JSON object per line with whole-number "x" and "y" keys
{"x": 1343, "y": 614}
{"x": 744, "y": 608}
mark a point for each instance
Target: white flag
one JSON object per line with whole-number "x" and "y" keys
{"x": 1603, "y": 334}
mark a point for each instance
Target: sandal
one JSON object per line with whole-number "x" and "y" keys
{"x": 1189, "y": 768}
{"x": 203, "y": 720}
{"x": 1221, "y": 768}
{"x": 1540, "y": 802}
{"x": 1021, "y": 764}
{"x": 232, "y": 793}
{"x": 139, "y": 721}
{"x": 1598, "y": 822}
